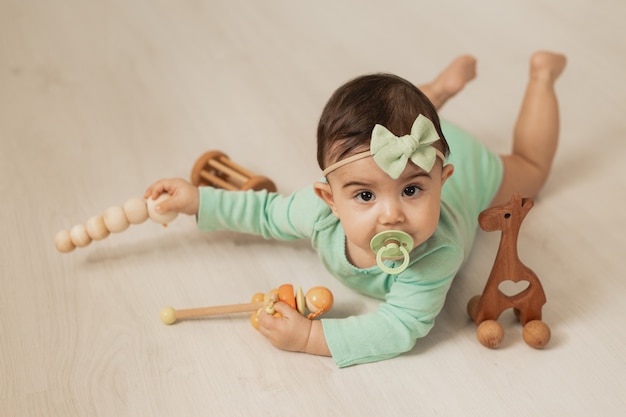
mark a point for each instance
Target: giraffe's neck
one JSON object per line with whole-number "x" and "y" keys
{"x": 507, "y": 251}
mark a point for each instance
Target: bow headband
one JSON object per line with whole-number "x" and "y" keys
{"x": 391, "y": 153}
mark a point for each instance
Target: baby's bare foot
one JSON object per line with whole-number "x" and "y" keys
{"x": 547, "y": 66}
{"x": 451, "y": 80}
{"x": 460, "y": 71}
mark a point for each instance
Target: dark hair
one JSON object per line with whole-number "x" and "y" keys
{"x": 348, "y": 118}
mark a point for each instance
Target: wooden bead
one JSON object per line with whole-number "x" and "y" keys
{"x": 162, "y": 218}
{"x": 115, "y": 219}
{"x": 300, "y": 301}
{"x": 63, "y": 241}
{"x": 96, "y": 228}
{"x": 136, "y": 210}
{"x": 472, "y": 306}
{"x": 490, "y": 333}
{"x": 536, "y": 334}
{"x": 80, "y": 237}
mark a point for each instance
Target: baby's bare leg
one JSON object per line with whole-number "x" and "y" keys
{"x": 536, "y": 133}
{"x": 450, "y": 81}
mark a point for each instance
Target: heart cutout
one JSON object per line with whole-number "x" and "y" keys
{"x": 511, "y": 288}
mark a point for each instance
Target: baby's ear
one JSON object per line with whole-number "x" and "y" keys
{"x": 323, "y": 191}
{"x": 446, "y": 173}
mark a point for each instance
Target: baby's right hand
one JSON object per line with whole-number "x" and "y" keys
{"x": 184, "y": 196}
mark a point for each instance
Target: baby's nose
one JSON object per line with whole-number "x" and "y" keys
{"x": 391, "y": 213}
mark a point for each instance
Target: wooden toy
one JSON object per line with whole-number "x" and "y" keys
{"x": 486, "y": 308}
{"x": 215, "y": 169}
{"x": 163, "y": 218}
{"x": 317, "y": 301}
{"x": 212, "y": 168}
{"x": 114, "y": 220}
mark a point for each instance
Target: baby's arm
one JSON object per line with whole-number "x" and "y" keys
{"x": 252, "y": 212}
{"x": 293, "y": 332}
{"x": 184, "y": 196}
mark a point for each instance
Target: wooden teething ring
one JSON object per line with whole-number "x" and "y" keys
{"x": 215, "y": 169}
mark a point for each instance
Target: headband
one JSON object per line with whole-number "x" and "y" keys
{"x": 391, "y": 153}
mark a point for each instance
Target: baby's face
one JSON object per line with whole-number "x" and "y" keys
{"x": 368, "y": 201}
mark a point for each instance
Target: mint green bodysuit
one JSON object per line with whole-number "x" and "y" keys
{"x": 413, "y": 298}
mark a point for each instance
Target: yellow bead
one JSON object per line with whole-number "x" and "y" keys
{"x": 271, "y": 296}
{"x": 168, "y": 315}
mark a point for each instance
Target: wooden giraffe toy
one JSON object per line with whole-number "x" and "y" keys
{"x": 486, "y": 308}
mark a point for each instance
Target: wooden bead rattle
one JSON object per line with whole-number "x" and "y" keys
{"x": 114, "y": 220}
{"x": 215, "y": 169}
{"x": 486, "y": 308}
{"x": 317, "y": 301}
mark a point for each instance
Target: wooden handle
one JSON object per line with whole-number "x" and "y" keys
{"x": 170, "y": 315}
{"x": 218, "y": 310}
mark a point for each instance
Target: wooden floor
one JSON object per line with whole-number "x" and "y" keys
{"x": 99, "y": 99}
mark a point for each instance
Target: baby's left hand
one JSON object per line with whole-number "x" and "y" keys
{"x": 289, "y": 332}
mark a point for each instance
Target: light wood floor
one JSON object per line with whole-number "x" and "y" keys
{"x": 99, "y": 99}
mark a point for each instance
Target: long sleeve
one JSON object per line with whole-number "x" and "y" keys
{"x": 266, "y": 214}
{"x": 414, "y": 300}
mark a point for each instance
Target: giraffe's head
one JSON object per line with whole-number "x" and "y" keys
{"x": 506, "y": 216}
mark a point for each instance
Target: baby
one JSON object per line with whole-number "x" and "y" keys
{"x": 390, "y": 166}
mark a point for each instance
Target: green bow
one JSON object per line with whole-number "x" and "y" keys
{"x": 392, "y": 153}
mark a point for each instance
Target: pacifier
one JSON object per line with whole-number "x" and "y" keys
{"x": 392, "y": 245}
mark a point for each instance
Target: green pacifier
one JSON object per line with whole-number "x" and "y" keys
{"x": 392, "y": 245}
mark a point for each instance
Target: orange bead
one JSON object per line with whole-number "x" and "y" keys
{"x": 254, "y": 320}
{"x": 258, "y": 297}
{"x": 287, "y": 295}
{"x": 319, "y": 300}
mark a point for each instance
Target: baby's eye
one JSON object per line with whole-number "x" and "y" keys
{"x": 365, "y": 196}
{"x": 410, "y": 191}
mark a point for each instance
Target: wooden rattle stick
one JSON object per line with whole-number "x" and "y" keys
{"x": 241, "y": 178}
{"x": 169, "y": 315}
{"x": 318, "y": 300}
